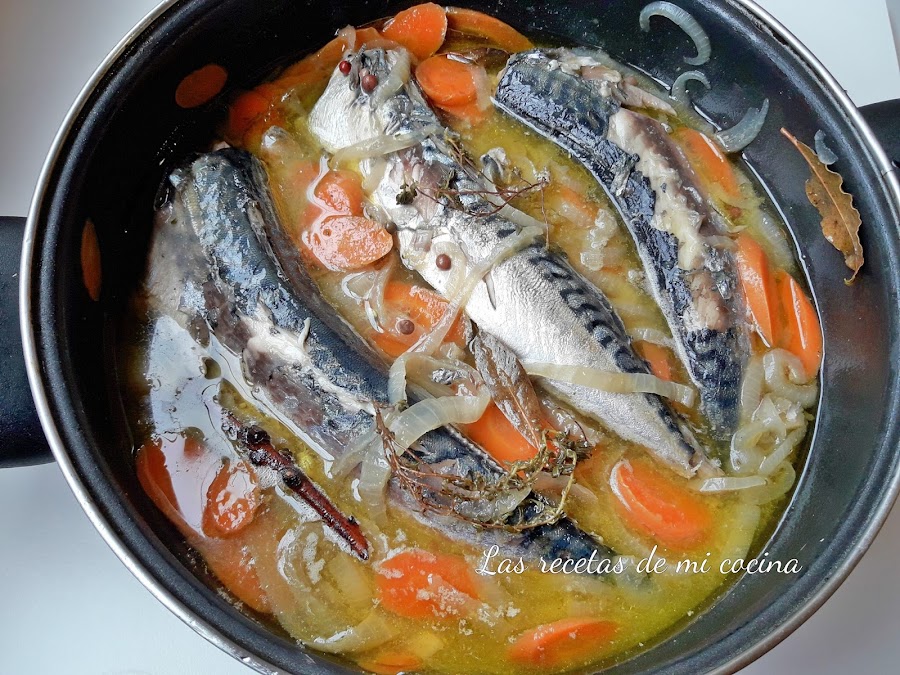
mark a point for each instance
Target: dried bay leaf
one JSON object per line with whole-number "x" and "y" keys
{"x": 509, "y": 384}
{"x": 840, "y": 219}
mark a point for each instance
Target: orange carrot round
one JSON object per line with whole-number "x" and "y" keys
{"x": 758, "y": 285}
{"x": 446, "y": 81}
{"x": 418, "y": 584}
{"x": 482, "y": 25}
{"x": 652, "y": 503}
{"x": 802, "y": 335}
{"x": 201, "y": 86}
{"x": 562, "y": 644}
{"x": 496, "y": 434}
{"x": 231, "y": 500}
{"x": 345, "y": 243}
{"x": 421, "y": 29}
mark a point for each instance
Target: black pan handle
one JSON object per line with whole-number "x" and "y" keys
{"x": 884, "y": 118}
{"x": 21, "y": 440}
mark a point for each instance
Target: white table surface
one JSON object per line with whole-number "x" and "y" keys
{"x": 67, "y": 605}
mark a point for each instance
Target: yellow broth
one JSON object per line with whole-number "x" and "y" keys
{"x": 315, "y": 588}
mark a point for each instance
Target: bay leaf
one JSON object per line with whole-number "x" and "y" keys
{"x": 840, "y": 219}
{"x": 509, "y": 384}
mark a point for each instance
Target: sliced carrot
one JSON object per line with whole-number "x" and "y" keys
{"x": 651, "y": 502}
{"x": 392, "y": 663}
{"x": 370, "y": 37}
{"x": 342, "y": 192}
{"x": 758, "y": 284}
{"x": 91, "y": 266}
{"x": 573, "y": 206}
{"x": 177, "y": 474}
{"x": 422, "y": 307}
{"x": 657, "y": 357}
{"x": 347, "y": 243}
{"x": 446, "y": 81}
{"x": 421, "y": 29}
{"x": 485, "y": 26}
{"x": 496, "y": 434}
{"x": 418, "y": 584}
{"x": 231, "y": 563}
{"x": 246, "y": 109}
{"x": 201, "y": 86}
{"x": 563, "y": 643}
{"x": 710, "y": 163}
{"x": 802, "y": 335}
{"x": 231, "y": 500}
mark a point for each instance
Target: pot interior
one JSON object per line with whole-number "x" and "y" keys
{"x": 130, "y": 129}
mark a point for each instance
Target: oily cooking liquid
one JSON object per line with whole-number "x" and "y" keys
{"x": 425, "y": 601}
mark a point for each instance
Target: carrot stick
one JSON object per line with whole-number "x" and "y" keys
{"x": 657, "y": 357}
{"x": 201, "y": 86}
{"x": 91, "y": 264}
{"x": 651, "y": 502}
{"x": 758, "y": 284}
{"x": 419, "y": 584}
{"x": 562, "y": 644}
{"x": 421, "y": 29}
{"x": 231, "y": 500}
{"x": 499, "y": 437}
{"x": 573, "y": 206}
{"x": 492, "y": 29}
{"x": 711, "y": 164}
{"x": 802, "y": 335}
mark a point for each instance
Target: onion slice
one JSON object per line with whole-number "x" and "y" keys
{"x": 825, "y": 154}
{"x": 617, "y": 383}
{"x": 683, "y": 19}
{"x": 380, "y": 146}
{"x": 727, "y": 483}
{"x": 395, "y": 81}
{"x": 744, "y": 132}
{"x": 679, "y": 86}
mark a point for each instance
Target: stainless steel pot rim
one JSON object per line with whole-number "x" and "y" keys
{"x": 210, "y": 632}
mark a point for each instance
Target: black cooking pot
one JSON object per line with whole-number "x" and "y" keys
{"x": 109, "y": 158}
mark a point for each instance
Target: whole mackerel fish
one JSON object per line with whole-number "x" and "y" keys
{"x": 531, "y": 299}
{"x": 214, "y": 260}
{"x": 569, "y": 97}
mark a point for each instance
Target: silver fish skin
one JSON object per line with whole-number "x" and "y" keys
{"x": 678, "y": 236}
{"x": 217, "y": 240}
{"x": 532, "y": 300}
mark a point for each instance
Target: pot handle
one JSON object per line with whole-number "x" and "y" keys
{"x": 21, "y": 440}
{"x": 884, "y": 118}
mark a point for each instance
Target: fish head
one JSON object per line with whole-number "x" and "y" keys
{"x": 364, "y": 102}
